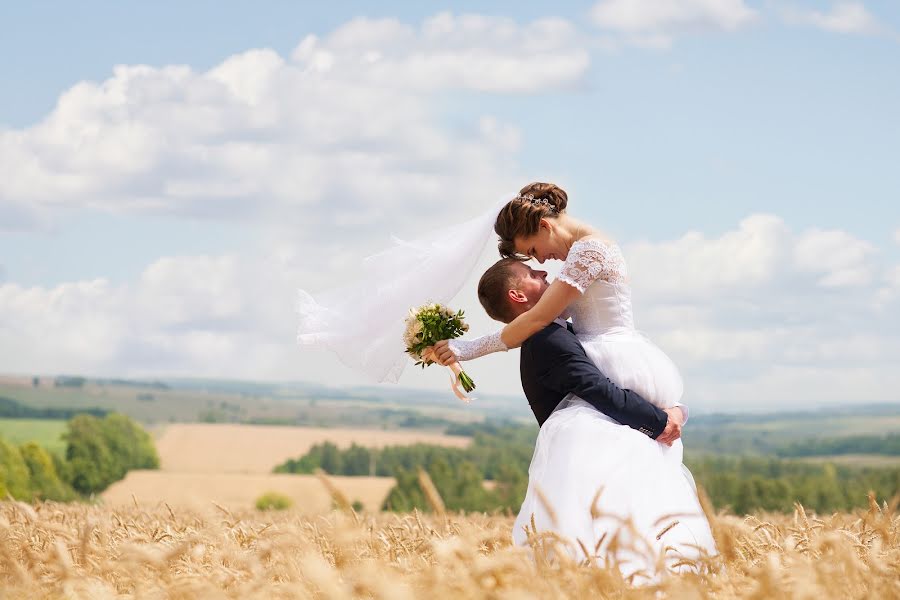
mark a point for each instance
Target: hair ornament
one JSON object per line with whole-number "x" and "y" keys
{"x": 536, "y": 201}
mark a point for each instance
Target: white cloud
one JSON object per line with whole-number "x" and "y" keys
{"x": 840, "y": 259}
{"x": 694, "y": 265}
{"x": 185, "y": 315}
{"x": 889, "y": 291}
{"x": 655, "y": 23}
{"x": 897, "y": 236}
{"x": 844, "y": 17}
{"x": 345, "y": 131}
{"x": 475, "y": 52}
{"x": 762, "y": 253}
{"x": 72, "y": 325}
{"x": 763, "y": 304}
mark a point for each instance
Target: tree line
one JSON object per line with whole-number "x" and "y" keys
{"x": 501, "y": 454}
{"x": 857, "y": 444}
{"x": 11, "y": 409}
{"x": 99, "y": 452}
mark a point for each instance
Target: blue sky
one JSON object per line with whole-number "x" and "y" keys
{"x": 668, "y": 128}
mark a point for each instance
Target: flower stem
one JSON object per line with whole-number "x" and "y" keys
{"x": 466, "y": 381}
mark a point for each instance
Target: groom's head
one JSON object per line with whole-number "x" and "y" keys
{"x": 509, "y": 288}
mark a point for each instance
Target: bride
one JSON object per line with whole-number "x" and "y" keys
{"x": 622, "y": 476}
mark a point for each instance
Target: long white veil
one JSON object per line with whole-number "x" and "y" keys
{"x": 363, "y": 321}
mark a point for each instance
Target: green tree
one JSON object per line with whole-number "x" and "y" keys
{"x": 14, "y": 476}
{"x": 45, "y": 481}
{"x": 331, "y": 459}
{"x": 512, "y": 483}
{"x": 356, "y": 460}
{"x": 101, "y": 451}
{"x": 92, "y": 465}
{"x": 406, "y": 494}
{"x": 129, "y": 443}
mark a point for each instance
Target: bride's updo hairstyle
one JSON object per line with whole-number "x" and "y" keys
{"x": 521, "y": 217}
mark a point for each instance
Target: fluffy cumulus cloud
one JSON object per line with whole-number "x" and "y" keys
{"x": 657, "y": 22}
{"x": 842, "y": 17}
{"x": 347, "y": 123}
{"x": 766, "y": 315}
{"x": 190, "y": 315}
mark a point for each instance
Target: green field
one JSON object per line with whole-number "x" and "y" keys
{"x": 45, "y": 432}
{"x": 188, "y": 405}
{"x": 854, "y": 460}
{"x": 769, "y": 433}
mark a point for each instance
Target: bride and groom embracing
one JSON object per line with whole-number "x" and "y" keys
{"x": 606, "y": 476}
{"x": 606, "y": 479}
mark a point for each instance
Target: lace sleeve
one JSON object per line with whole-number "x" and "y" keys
{"x": 590, "y": 260}
{"x": 469, "y": 349}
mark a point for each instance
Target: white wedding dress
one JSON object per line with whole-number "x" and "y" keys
{"x": 608, "y": 490}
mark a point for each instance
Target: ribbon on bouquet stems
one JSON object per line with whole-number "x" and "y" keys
{"x": 455, "y": 385}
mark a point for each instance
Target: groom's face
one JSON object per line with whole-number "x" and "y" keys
{"x": 532, "y": 283}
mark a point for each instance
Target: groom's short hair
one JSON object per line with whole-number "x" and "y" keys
{"x": 493, "y": 286}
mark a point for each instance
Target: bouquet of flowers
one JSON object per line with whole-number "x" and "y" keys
{"x": 426, "y": 326}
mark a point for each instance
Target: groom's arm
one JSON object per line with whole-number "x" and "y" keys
{"x": 564, "y": 368}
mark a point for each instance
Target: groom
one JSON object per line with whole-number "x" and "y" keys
{"x": 553, "y": 363}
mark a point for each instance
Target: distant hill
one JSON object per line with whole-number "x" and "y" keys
{"x": 191, "y": 400}
{"x": 278, "y": 403}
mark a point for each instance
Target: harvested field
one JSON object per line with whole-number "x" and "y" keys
{"x": 225, "y": 448}
{"x": 232, "y": 465}
{"x": 80, "y": 551}
{"x": 200, "y": 490}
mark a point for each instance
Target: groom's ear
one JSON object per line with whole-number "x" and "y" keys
{"x": 517, "y": 296}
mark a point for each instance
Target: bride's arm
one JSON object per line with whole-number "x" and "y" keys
{"x": 552, "y": 304}
{"x": 591, "y": 260}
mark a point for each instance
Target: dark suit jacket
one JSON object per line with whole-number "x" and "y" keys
{"x": 553, "y": 363}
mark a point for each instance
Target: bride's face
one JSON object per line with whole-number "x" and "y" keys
{"x": 543, "y": 245}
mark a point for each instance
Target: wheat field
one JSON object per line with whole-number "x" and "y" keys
{"x": 79, "y": 551}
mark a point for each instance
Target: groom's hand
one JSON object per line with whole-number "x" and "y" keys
{"x": 673, "y": 426}
{"x": 443, "y": 354}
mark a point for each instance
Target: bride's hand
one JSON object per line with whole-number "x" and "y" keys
{"x": 443, "y": 355}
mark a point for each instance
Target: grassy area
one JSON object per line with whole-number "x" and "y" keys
{"x": 767, "y": 434}
{"x": 855, "y": 460}
{"x": 45, "y": 432}
{"x": 147, "y": 406}
{"x": 816, "y": 425}
{"x": 188, "y": 405}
